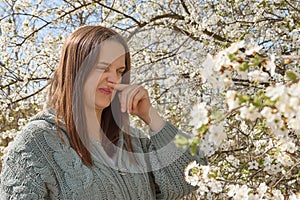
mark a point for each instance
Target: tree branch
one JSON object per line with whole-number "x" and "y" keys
{"x": 283, "y": 176}
{"x": 117, "y": 11}
{"x": 21, "y": 80}
{"x": 185, "y": 7}
{"x": 163, "y": 16}
{"x": 26, "y": 97}
{"x": 48, "y": 23}
{"x": 294, "y": 7}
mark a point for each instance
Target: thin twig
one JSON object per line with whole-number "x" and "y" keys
{"x": 277, "y": 182}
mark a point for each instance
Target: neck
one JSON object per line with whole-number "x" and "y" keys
{"x": 93, "y": 121}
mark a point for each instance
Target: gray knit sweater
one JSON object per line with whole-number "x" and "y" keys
{"x": 38, "y": 165}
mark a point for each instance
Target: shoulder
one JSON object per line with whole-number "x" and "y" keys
{"x": 36, "y": 141}
{"x": 36, "y": 134}
{"x": 26, "y": 162}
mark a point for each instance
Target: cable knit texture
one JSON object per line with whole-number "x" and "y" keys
{"x": 38, "y": 165}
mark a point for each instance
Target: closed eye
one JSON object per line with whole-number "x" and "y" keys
{"x": 101, "y": 68}
{"x": 121, "y": 71}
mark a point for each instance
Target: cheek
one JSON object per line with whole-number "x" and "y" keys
{"x": 90, "y": 86}
{"x": 89, "y": 94}
{"x": 98, "y": 80}
{"x": 94, "y": 79}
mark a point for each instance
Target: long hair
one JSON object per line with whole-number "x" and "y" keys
{"x": 66, "y": 84}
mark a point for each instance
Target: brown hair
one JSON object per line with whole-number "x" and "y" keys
{"x": 78, "y": 55}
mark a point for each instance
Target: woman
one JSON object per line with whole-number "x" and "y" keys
{"x": 81, "y": 145}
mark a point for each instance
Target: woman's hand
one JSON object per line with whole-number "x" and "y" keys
{"x": 134, "y": 99}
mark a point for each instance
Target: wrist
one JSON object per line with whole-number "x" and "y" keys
{"x": 154, "y": 121}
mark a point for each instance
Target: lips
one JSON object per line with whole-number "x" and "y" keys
{"x": 105, "y": 90}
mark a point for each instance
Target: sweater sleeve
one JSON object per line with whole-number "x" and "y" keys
{"x": 18, "y": 178}
{"x": 168, "y": 163}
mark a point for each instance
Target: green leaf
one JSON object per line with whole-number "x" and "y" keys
{"x": 257, "y": 102}
{"x": 291, "y": 75}
{"x": 244, "y": 66}
{"x": 181, "y": 141}
{"x": 231, "y": 57}
{"x": 216, "y": 115}
{"x": 269, "y": 102}
{"x": 194, "y": 145}
{"x": 202, "y": 129}
{"x": 243, "y": 98}
{"x": 256, "y": 60}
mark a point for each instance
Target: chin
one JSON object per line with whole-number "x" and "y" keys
{"x": 101, "y": 106}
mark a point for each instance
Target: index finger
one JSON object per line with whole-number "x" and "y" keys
{"x": 118, "y": 86}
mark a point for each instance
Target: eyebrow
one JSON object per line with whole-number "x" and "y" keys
{"x": 122, "y": 67}
{"x": 103, "y": 63}
{"x": 108, "y": 64}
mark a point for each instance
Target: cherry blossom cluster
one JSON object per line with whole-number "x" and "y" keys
{"x": 266, "y": 117}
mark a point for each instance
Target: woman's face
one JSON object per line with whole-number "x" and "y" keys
{"x": 109, "y": 68}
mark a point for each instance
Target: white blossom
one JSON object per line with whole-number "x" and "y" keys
{"x": 277, "y": 195}
{"x": 262, "y": 189}
{"x": 239, "y": 193}
{"x": 253, "y": 165}
{"x": 271, "y": 65}
{"x": 289, "y": 146}
{"x": 231, "y": 99}
{"x": 258, "y": 76}
{"x": 253, "y": 49}
{"x": 215, "y": 186}
{"x": 199, "y": 115}
{"x": 285, "y": 159}
{"x": 195, "y": 173}
{"x": 217, "y": 134}
{"x": 249, "y": 113}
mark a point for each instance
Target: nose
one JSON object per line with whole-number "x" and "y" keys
{"x": 113, "y": 77}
